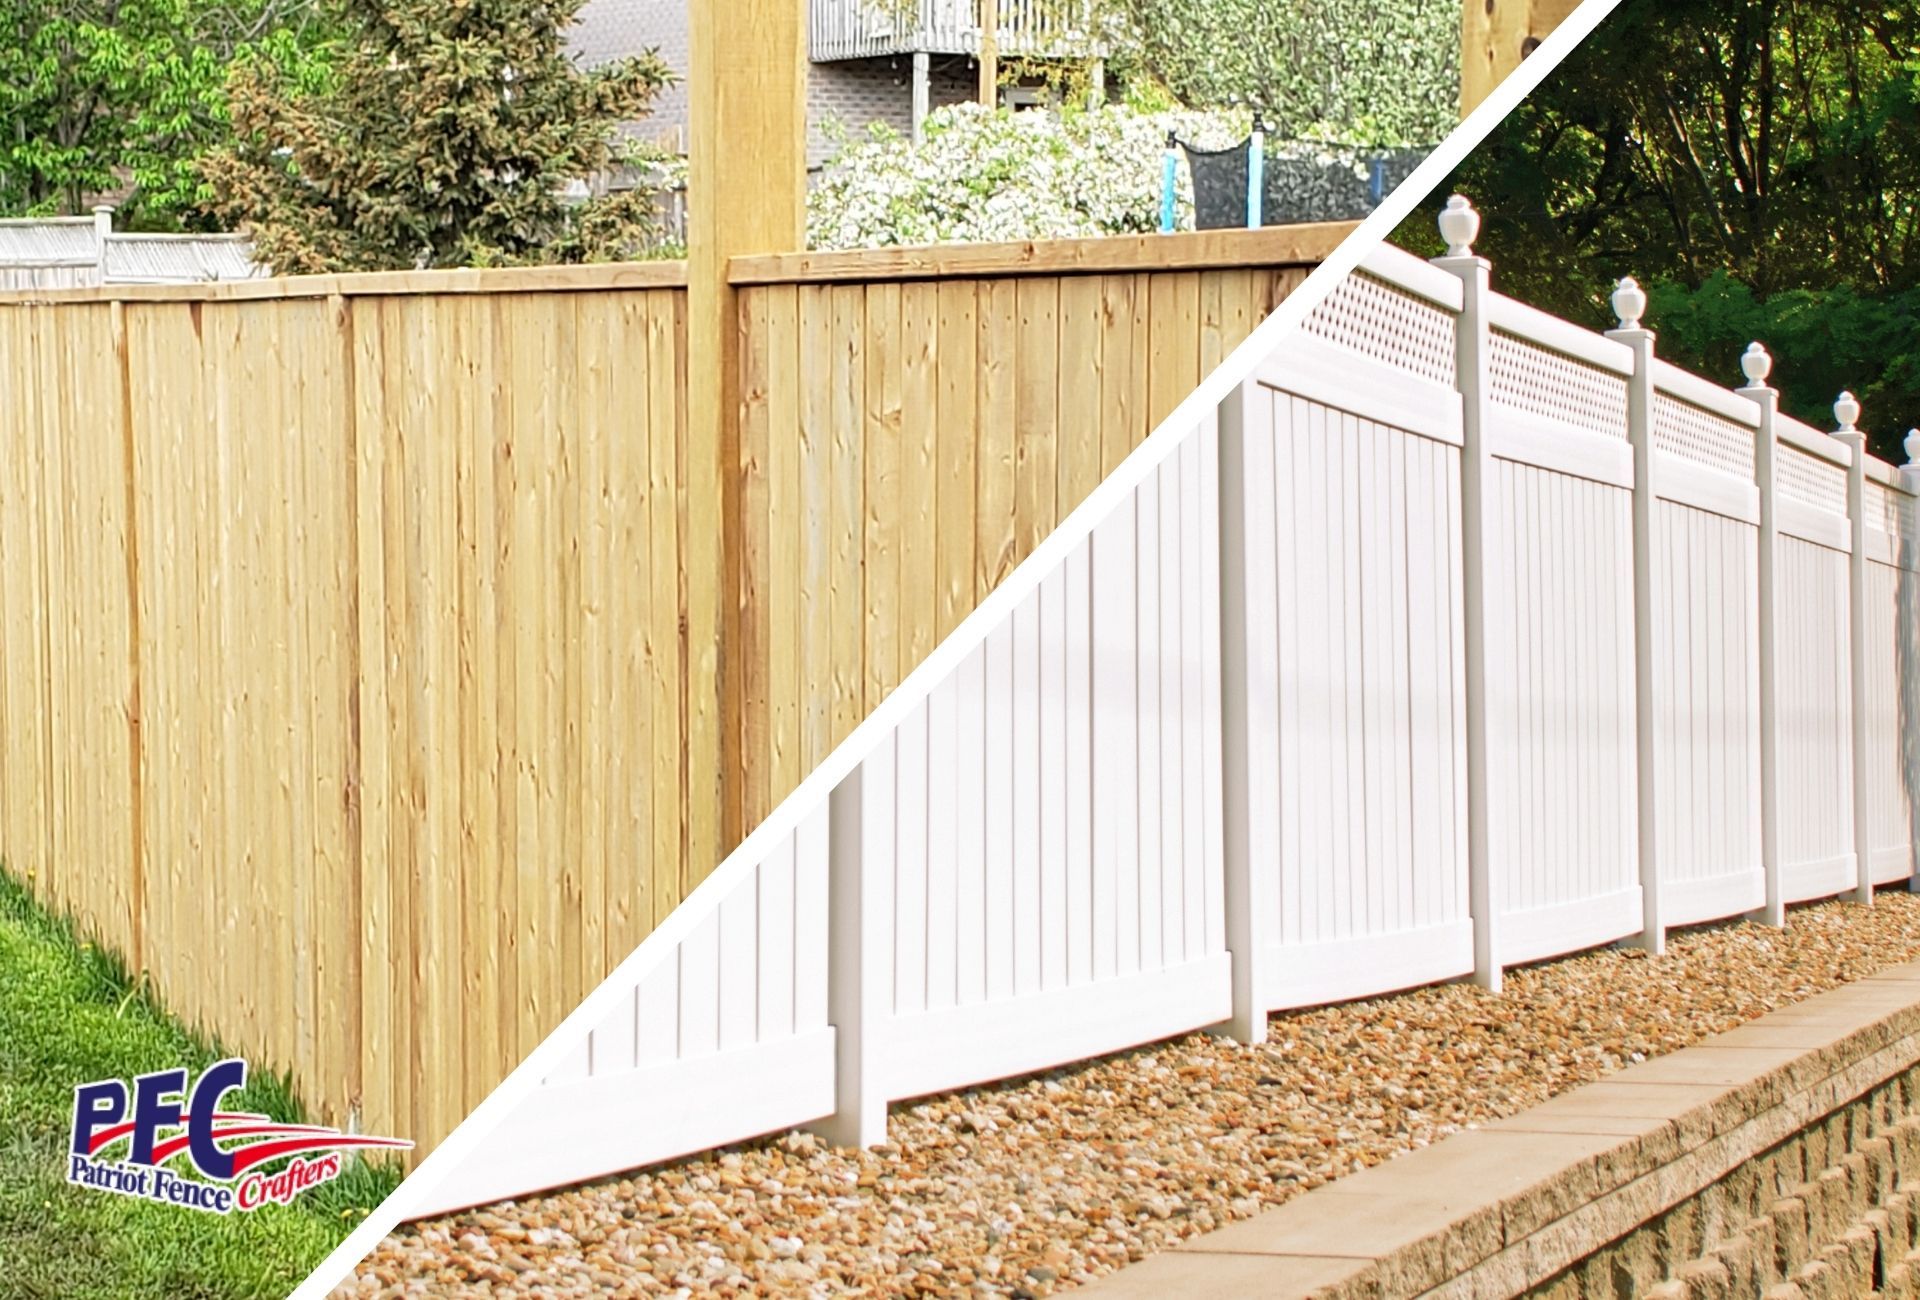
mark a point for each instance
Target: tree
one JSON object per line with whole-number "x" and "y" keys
{"x": 1764, "y": 181}
{"x": 1383, "y": 72}
{"x": 1386, "y": 72}
{"x": 99, "y": 95}
{"x": 448, "y": 136}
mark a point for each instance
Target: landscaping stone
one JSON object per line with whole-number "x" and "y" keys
{"x": 1029, "y": 1188}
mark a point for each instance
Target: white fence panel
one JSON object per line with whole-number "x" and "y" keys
{"x": 1355, "y": 695}
{"x": 1893, "y": 641}
{"x": 1706, "y": 663}
{"x": 1565, "y": 860}
{"x": 1563, "y": 826}
{"x": 1816, "y": 713}
{"x": 1042, "y": 833}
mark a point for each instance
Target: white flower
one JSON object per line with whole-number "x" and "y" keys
{"x": 992, "y": 176}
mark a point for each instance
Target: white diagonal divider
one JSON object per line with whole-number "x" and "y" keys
{"x": 1443, "y": 643}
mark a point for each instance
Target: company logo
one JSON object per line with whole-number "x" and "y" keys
{"x": 160, "y": 1118}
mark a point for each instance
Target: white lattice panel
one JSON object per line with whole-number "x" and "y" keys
{"x": 1379, "y": 321}
{"x": 1531, "y": 378}
{"x": 1685, "y": 430}
{"x": 1889, "y": 510}
{"x": 1812, "y": 481}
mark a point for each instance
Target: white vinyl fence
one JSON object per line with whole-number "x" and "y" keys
{"x": 1458, "y": 637}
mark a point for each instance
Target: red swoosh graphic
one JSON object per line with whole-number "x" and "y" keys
{"x": 165, "y": 1151}
{"x": 107, "y": 1135}
{"x": 247, "y": 1157}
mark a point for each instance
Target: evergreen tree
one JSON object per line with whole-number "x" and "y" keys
{"x": 448, "y": 135}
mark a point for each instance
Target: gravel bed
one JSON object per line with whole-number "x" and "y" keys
{"x": 1024, "y": 1189}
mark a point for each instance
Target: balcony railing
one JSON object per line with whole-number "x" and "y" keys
{"x": 864, "y": 29}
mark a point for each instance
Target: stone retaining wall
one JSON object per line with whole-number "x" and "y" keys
{"x": 1778, "y": 1161}
{"x": 1833, "y": 1213}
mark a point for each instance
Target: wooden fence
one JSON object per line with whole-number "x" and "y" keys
{"x": 343, "y": 652}
{"x": 906, "y": 440}
{"x": 1457, "y": 637}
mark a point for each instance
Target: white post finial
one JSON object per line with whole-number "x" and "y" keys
{"x": 1459, "y": 226}
{"x": 1629, "y": 302}
{"x": 1756, "y": 365}
{"x": 1912, "y": 445}
{"x": 1847, "y": 412}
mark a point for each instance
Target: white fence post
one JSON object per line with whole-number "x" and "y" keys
{"x": 1459, "y": 225}
{"x": 1629, "y": 304}
{"x": 1755, "y": 364}
{"x": 1907, "y": 651}
{"x": 857, "y": 951}
{"x": 1847, "y": 412}
{"x": 1250, "y": 871}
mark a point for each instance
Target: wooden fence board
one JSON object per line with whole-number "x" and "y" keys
{"x": 374, "y": 592}
{"x": 979, "y": 412}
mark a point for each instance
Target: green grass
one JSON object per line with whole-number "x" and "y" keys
{"x": 70, "y": 1013}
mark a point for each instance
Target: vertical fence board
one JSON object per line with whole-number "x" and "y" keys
{"x": 407, "y": 692}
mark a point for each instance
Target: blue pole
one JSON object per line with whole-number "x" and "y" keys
{"x": 1256, "y": 174}
{"x": 1169, "y": 175}
{"x": 1377, "y": 182}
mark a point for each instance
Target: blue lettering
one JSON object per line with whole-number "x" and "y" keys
{"x": 215, "y": 1082}
{"x": 96, "y": 1106}
{"x": 153, "y": 1111}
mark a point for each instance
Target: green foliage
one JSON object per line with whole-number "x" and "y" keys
{"x": 99, "y": 94}
{"x": 988, "y": 175}
{"x": 1824, "y": 340}
{"x": 447, "y": 137}
{"x": 1371, "y": 72}
{"x": 1374, "y": 72}
{"x": 70, "y": 1012}
{"x": 1765, "y": 184}
{"x": 996, "y": 175}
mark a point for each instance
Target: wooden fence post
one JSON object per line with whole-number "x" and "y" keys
{"x": 1629, "y": 304}
{"x": 1495, "y": 35}
{"x": 857, "y": 950}
{"x": 1459, "y": 225}
{"x": 989, "y": 89}
{"x": 1250, "y": 869}
{"x": 1755, "y": 364}
{"x": 746, "y": 186}
{"x": 1847, "y": 412}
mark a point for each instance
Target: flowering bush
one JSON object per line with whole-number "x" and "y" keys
{"x": 982, "y": 175}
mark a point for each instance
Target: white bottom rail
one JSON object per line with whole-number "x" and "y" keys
{"x": 1541, "y": 932}
{"x": 606, "y": 1124}
{"x": 1691, "y": 902}
{"x": 1802, "y": 882}
{"x": 1313, "y": 974}
{"x": 939, "y": 1050}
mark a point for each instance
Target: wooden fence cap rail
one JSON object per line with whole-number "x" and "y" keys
{"x": 1303, "y": 245}
{"x": 518, "y": 279}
